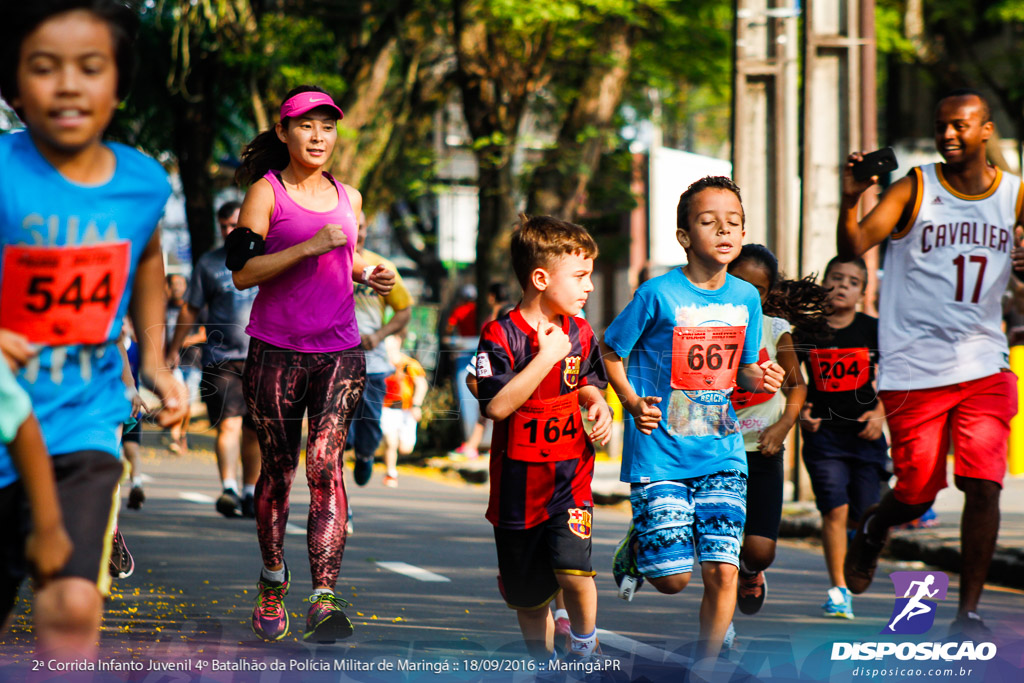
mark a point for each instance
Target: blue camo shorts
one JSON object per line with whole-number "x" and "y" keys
{"x": 679, "y": 520}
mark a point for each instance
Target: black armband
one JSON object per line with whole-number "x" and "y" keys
{"x": 242, "y": 244}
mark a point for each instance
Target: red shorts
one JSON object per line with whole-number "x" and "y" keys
{"x": 976, "y": 414}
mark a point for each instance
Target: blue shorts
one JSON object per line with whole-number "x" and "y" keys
{"x": 678, "y": 521}
{"x": 365, "y": 433}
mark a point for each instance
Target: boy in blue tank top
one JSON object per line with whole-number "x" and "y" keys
{"x": 78, "y": 246}
{"x": 688, "y": 337}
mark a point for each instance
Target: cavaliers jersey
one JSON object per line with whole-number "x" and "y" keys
{"x": 542, "y": 460}
{"x": 940, "y": 314}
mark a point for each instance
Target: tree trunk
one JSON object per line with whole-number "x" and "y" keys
{"x": 195, "y": 130}
{"x": 559, "y": 185}
{"x": 497, "y": 213}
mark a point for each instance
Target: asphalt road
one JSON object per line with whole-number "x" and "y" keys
{"x": 441, "y": 617}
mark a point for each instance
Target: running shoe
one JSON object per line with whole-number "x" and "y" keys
{"x": 249, "y": 506}
{"x": 862, "y": 555}
{"x": 122, "y": 564}
{"x": 750, "y": 592}
{"x": 970, "y": 626}
{"x": 229, "y": 504}
{"x": 136, "y": 497}
{"x": 627, "y": 577}
{"x": 270, "y": 618}
{"x": 363, "y": 469}
{"x": 464, "y": 452}
{"x": 839, "y": 603}
{"x": 729, "y": 641}
{"x": 326, "y": 622}
{"x": 563, "y": 627}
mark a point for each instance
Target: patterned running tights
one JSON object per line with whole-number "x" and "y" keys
{"x": 281, "y": 385}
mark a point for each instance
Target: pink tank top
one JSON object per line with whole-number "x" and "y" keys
{"x": 308, "y": 307}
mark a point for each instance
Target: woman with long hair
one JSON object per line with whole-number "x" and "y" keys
{"x": 296, "y": 241}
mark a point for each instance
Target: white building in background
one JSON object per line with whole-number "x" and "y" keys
{"x": 670, "y": 172}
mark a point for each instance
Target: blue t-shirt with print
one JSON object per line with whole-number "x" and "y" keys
{"x": 698, "y": 433}
{"x": 76, "y": 390}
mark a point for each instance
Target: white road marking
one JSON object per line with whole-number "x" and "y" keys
{"x": 414, "y": 572}
{"x": 195, "y": 497}
{"x": 655, "y": 654}
{"x": 293, "y": 530}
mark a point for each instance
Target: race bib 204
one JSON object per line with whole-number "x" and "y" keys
{"x": 840, "y": 369}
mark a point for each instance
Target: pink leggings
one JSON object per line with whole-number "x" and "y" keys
{"x": 280, "y": 385}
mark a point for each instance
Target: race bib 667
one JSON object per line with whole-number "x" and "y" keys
{"x": 706, "y": 358}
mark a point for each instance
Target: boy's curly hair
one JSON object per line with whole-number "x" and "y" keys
{"x": 802, "y": 303}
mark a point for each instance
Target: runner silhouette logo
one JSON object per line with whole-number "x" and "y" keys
{"x": 914, "y": 611}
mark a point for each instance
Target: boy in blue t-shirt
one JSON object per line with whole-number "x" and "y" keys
{"x": 78, "y": 245}
{"x": 687, "y": 338}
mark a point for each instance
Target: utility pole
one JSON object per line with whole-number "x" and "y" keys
{"x": 765, "y": 153}
{"x": 839, "y": 116}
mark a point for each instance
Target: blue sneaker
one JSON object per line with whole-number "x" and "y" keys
{"x": 627, "y": 577}
{"x": 729, "y": 641}
{"x": 839, "y": 603}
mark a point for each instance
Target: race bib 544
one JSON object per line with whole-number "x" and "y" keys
{"x": 63, "y": 295}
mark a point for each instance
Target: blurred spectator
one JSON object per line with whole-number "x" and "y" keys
{"x": 188, "y": 368}
{"x": 403, "y": 406}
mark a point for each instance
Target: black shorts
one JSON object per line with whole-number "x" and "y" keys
{"x": 764, "y": 494}
{"x": 221, "y": 390}
{"x": 528, "y": 559}
{"x": 87, "y": 488}
{"x": 132, "y": 434}
{"x": 844, "y": 470}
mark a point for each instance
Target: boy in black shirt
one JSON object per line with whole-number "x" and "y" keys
{"x": 844, "y": 448}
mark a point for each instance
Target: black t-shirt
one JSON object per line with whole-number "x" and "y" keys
{"x": 841, "y": 375}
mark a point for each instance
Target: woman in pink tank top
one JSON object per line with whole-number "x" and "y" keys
{"x": 305, "y": 355}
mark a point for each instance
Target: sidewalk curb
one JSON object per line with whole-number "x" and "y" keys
{"x": 922, "y": 545}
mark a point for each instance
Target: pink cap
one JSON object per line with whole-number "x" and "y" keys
{"x": 298, "y": 105}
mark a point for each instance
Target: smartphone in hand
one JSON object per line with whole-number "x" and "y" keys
{"x": 875, "y": 164}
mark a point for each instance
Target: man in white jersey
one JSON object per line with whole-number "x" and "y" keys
{"x": 944, "y": 362}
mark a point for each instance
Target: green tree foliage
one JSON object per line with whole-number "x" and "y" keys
{"x": 214, "y": 71}
{"x": 961, "y": 43}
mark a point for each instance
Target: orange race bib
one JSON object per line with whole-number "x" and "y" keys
{"x": 706, "y": 358}
{"x": 741, "y": 398}
{"x": 63, "y": 295}
{"x": 547, "y": 430}
{"x": 840, "y": 369}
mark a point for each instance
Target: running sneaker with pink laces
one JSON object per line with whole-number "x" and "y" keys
{"x": 270, "y": 618}
{"x": 326, "y": 622}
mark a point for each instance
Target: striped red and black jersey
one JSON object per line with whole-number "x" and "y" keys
{"x": 534, "y": 474}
